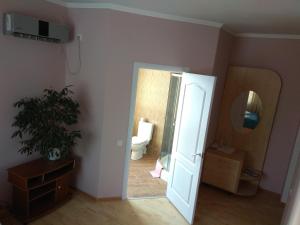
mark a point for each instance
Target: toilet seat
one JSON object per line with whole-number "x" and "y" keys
{"x": 138, "y": 140}
{"x": 138, "y": 147}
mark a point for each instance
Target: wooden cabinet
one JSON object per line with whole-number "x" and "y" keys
{"x": 40, "y": 186}
{"x": 62, "y": 188}
{"x": 223, "y": 170}
{"x": 228, "y": 172}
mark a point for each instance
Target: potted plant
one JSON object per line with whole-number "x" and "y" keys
{"x": 43, "y": 124}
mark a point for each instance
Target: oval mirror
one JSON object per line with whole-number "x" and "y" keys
{"x": 246, "y": 112}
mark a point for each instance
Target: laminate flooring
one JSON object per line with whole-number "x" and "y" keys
{"x": 214, "y": 206}
{"x": 140, "y": 181}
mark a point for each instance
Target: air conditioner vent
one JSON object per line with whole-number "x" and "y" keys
{"x": 31, "y": 28}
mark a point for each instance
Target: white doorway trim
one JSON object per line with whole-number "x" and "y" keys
{"x": 136, "y": 67}
{"x": 292, "y": 169}
{"x": 291, "y": 212}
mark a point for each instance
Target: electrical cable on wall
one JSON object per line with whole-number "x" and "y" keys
{"x": 78, "y": 69}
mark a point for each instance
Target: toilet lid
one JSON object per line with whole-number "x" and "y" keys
{"x": 138, "y": 140}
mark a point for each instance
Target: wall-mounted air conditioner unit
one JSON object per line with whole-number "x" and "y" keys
{"x": 32, "y": 28}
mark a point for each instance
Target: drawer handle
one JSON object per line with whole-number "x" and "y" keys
{"x": 197, "y": 154}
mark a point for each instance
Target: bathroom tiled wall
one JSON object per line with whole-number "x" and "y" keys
{"x": 151, "y": 104}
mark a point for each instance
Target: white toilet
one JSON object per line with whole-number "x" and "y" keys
{"x": 139, "y": 143}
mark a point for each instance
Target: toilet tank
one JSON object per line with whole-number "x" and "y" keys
{"x": 145, "y": 130}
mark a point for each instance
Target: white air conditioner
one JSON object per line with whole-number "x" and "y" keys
{"x": 32, "y": 28}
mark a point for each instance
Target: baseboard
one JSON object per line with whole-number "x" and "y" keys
{"x": 95, "y": 198}
{"x": 110, "y": 199}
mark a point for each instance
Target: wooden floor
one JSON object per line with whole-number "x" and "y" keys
{"x": 140, "y": 181}
{"x": 215, "y": 207}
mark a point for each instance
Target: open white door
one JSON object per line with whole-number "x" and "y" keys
{"x": 193, "y": 112}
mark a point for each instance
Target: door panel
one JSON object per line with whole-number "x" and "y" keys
{"x": 191, "y": 115}
{"x": 182, "y": 181}
{"x": 194, "y": 106}
{"x": 62, "y": 188}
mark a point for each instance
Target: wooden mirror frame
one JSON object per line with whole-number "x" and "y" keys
{"x": 267, "y": 85}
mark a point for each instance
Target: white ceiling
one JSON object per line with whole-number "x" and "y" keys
{"x": 240, "y": 16}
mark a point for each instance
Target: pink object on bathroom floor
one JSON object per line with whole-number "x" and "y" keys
{"x": 157, "y": 171}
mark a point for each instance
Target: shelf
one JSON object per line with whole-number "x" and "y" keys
{"x": 34, "y": 181}
{"x": 247, "y": 189}
{"x": 247, "y": 177}
{"x": 39, "y": 187}
{"x": 41, "y": 191}
{"x": 42, "y": 204}
{"x": 59, "y": 172}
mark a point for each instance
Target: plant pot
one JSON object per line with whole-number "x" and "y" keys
{"x": 54, "y": 154}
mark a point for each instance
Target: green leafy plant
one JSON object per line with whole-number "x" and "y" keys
{"x": 43, "y": 123}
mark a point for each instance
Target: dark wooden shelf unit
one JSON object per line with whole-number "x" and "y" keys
{"x": 42, "y": 204}
{"x": 35, "y": 181}
{"x": 42, "y": 190}
{"x": 40, "y": 186}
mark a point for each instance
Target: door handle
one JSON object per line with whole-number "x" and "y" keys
{"x": 197, "y": 154}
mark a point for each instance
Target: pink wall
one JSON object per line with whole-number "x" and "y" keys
{"x": 90, "y": 89}
{"x": 26, "y": 68}
{"x": 116, "y": 40}
{"x": 281, "y": 56}
{"x": 112, "y": 42}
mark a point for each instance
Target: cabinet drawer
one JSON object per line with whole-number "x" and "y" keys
{"x": 222, "y": 172}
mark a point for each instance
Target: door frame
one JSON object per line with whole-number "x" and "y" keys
{"x": 290, "y": 214}
{"x": 292, "y": 187}
{"x": 136, "y": 67}
{"x": 292, "y": 168}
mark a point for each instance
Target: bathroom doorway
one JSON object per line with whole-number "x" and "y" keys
{"x": 156, "y": 101}
{"x": 186, "y": 137}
